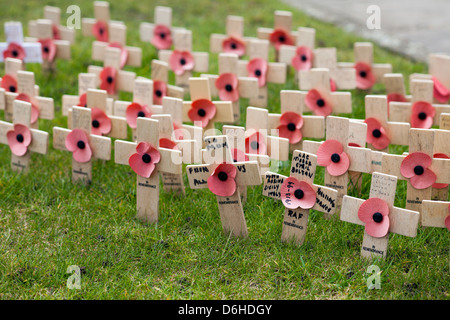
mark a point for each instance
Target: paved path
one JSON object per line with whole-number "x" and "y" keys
{"x": 411, "y": 27}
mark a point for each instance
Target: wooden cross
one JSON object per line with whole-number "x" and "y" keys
{"x": 427, "y": 142}
{"x": 395, "y": 87}
{"x": 182, "y": 42}
{"x": 247, "y": 87}
{"x": 306, "y": 37}
{"x": 99, "y": 146}
{"x": 360, "y": 159}
{"x": 276, "y": 71}
{"x": 234, "y": 30}
{"x": 11, "y": 67}
{"x": 230, "y": 205}
{"x": 160, "y": 72}
{"x": 303, "y": 169}
{"x": 101, "y": 16}
{"x": 147, "y": 193}
{"x": 14, "y": 37}
{"x": 401, "y": 221}
{"x": 39, "y": 139}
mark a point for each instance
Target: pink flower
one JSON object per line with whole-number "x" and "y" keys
{"x": 290, "y": 127}
{"x": 332, "y": 156}
{"x": 317, "y": 104}
{"x": 422, "y": 115}
{"x": 101, "y": 123}
{"x": 222, "y": 181}
{"x": 100, "y": 31}
{"x": 82, "y": 102}
{"x": 162, "y": 37}
{"x": 123, "y": 53}
{"x": 440, "y": 92}
{"x": 15, "y": 51}
{"x": 159, "y": 91}
{"x": 227, "y": 84}
{"x": 167, "y": 144}
{"x": 144, "y": 161}
{"x": 415, "y": 167}
{"x": 376, "y": 134}
{"x": 295, "y": 194}
{"x": 9, "y": 83}
{"x": 48, "y": 49}
{"x": 374, "y": 212}
{"x": 34, "y": 107}
{"x": 239, "y": 155}
{"x": 257, "y": 68}
{"x": 365, "y": 79}
{"x": 202, "y": 110}
{"x": 108, "y": 80}
{"x": 181, "y": 61}
{"x": 303, "y": 58}
{"x": 233, "y": 45}
{"x": 19, "y": 139}
{"x": 333, "y": 86}
{"x": 254, "y": 144}
{"x": 77, "y": 142}
{"x": 279, "y": 37}
{"x": 440, "y": 185}
{"x": 134, "y": 111}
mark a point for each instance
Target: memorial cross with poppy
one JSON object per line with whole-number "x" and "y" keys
{"x": 233, "y": 41}
{"x": 16, "y": 48}
{"x": 161, "y": 86}
{"x": 86, "y": 81}
{"x": 59, "y": 31}
{"x": 395, "y": 88}
{"x": 98, "y": 26}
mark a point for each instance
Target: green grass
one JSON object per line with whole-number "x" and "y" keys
{"x": 48, "y": 224}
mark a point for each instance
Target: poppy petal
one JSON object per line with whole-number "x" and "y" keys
{"x": 162, "y": 37}
{"x": 101, "y": 123}
{"x": 19, "y": 139}
{"x": 233, "y": 45}
{"x": 48, "y": 48}
{"x": 108, "y": 80}
{"x": 326, "y": 150}
{"x": 302, "y": 61}
{"x": 424, "y": 180}
{"x": 280, "y": 37}
{"x": 366, "y": 214}
{"x": 257, "y": 68}
{"x": 167, "y": 144}
{"x": 365, "y": 79}
{"x": 295, "y": 194}
{"x": 221, "y": 188}
{"x": 413, "y": 160}
{"x": 14, "y": 50}
{"x": 440, "y": 92}
{"x": 294, "y": 136}
{"x": 317, "y": 103}
{"x": 100, "y": 31}
{"x": 422, "y": 115}
{"x": 140, "y": 167}
{"x": 134, "y": 111}
{"x": 9, "y": 83}
{"x": 159, "y": 91}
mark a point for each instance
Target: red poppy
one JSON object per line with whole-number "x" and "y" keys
{"x": 297, "y": 194}
{"x": 440, "y": 185}
{"x": 440, "y": 92}
{"x": 159, "y": 91}
{"x": 34, "y": 107}
{"x": 9, "y": 83}
{"x": 415, "y": 166}
{"x": 280, "y": 37}
{"x": 222, "y": 181}
{"x": 144, "y": 161}
{"x": 55, "y": 32}
{"x": 77, "y": 142}
{"x": 376, "y": 134}
{"x": 257, "y": 68}
{"x": 233, "y": 45}
{"x": 374, "y": 212}
{"x": 333, "y": 86}
{"x": 239, "y": 155}
{"x": 123, "y": 53}
{"x": 162, "y": 37}
{"x": 318, "y": 104}
{"x": 48, "y": 48}
{"x": 290, "y": 127}
{"x": 332, "y": 156}
{"x": 15, "y": 51}
{"x": 396, "y": 97}
{"x": 100, "y": 31}
{"x": 365, "y": 79}
{"x": 82, "y": 102}
{"x": 303, "y": 58}
{"x": 134, "y": 111}
{"x": 167, "y": 144}
{"x": 108, "y": 80}
{"x": 422, "y": 115}
{"x": 101, "y": 123}
{"x": 19, "y": 139}
{"x": 227, "y": 84}
{"x": 181, "y": 61}
{"x": 254, "y": 143}
{"x": 202, "y": 110}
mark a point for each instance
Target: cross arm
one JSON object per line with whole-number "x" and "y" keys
{"x": 39, "y": 139}
{"x": 434, "y": 213}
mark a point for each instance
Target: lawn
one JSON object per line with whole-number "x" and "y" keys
{"x": 48, "y": 224}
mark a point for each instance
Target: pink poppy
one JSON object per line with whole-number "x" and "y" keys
{"x": 178, "y": 131}
{"x": 55, "y": 32}
{"x": 77, "y": 142}
{"x": 159, "y": 91}
{"x": 279, "y": 37}
{"x": 144, "y": 161}
{"x": 48, "y": 49}
{"x": 222, "y": 181}
{"x": 257, "y": 68}
{"x": 376, "y": 134}
{"x": 318, "y": 104}
{"x": 396, "y": 97}
{"x": 333, "y": 86}
{"x": 290, "y": 127}
{"x": 440, "y": 92}
{"x": 123, "y": 53}
{"x": 202, "y": 110}
{"x": 15, "y": 51}
{"x": 100, "y": 31}
{"x": 101, "y": 123}
{"x": 233, "y": 45}
{"x": 422, "y": 115}
{"x": 167, "y": 144}
{"x": 332, "y": 156}
{"x": 108, "y": 80}
{"x": 365, "y": 79}
{"x": 254, "y": 144}
{"x": 415, "y": 167}
{"x": 181, "y": 61}
{"x": 374, "y": 212}
{"x": 440, "y": 185}
{"x": 239, "y": 155}
{"x": 82, "y": 102}
{"x": 227, "y": 84}
{"x": 34, "y": 107}
{"x": 9, "y": 83}
{"x": 297, "y": 194}
{"x": 303, "y": 58}
{"x": 162, "y": 37}
{"x": 134, "y": 111}
{"x": 19, "y": 139}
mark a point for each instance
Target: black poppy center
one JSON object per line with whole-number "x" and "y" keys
{"x": 95, "y": 123}
{"x": 146, "y": 158}
{"x": 201, "y": 112}
{"x": 19, "y": 138}
{"x": 101, "y": 31}
{"x": 233, "y": 46}
{"x": 418, "y": 170}
{"x": 222, "y": 176}
{"x": 377, "y": 217}
{"x": 254, "y": 145}
{"x": 291, "y": 126}
{"x": 299, "y": 194}
{"x": 12, "y": 89}
{"x": 281, "y": 39}
{"x": 81, "y": 144}
{"x": 258, "y": 73}
{"x": 141, "y": 114}
{"x": 158, "y": 93}
{"x": 422, "y": 115}
{"x": 46, "y": 49}
{"x": 162, "y": 35}
{"x": 229, "y": 87}
{"x": 363, "y": 74}
{"x": 335, "y": 158}
{"x": 303, "y": 58}
{"x": 320, "y": 103}
{"x": 109, "y": 79}
{"x": 376, "y": 133}
{"x": 182, "y": 61}
{"x": 15, "y": 53}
